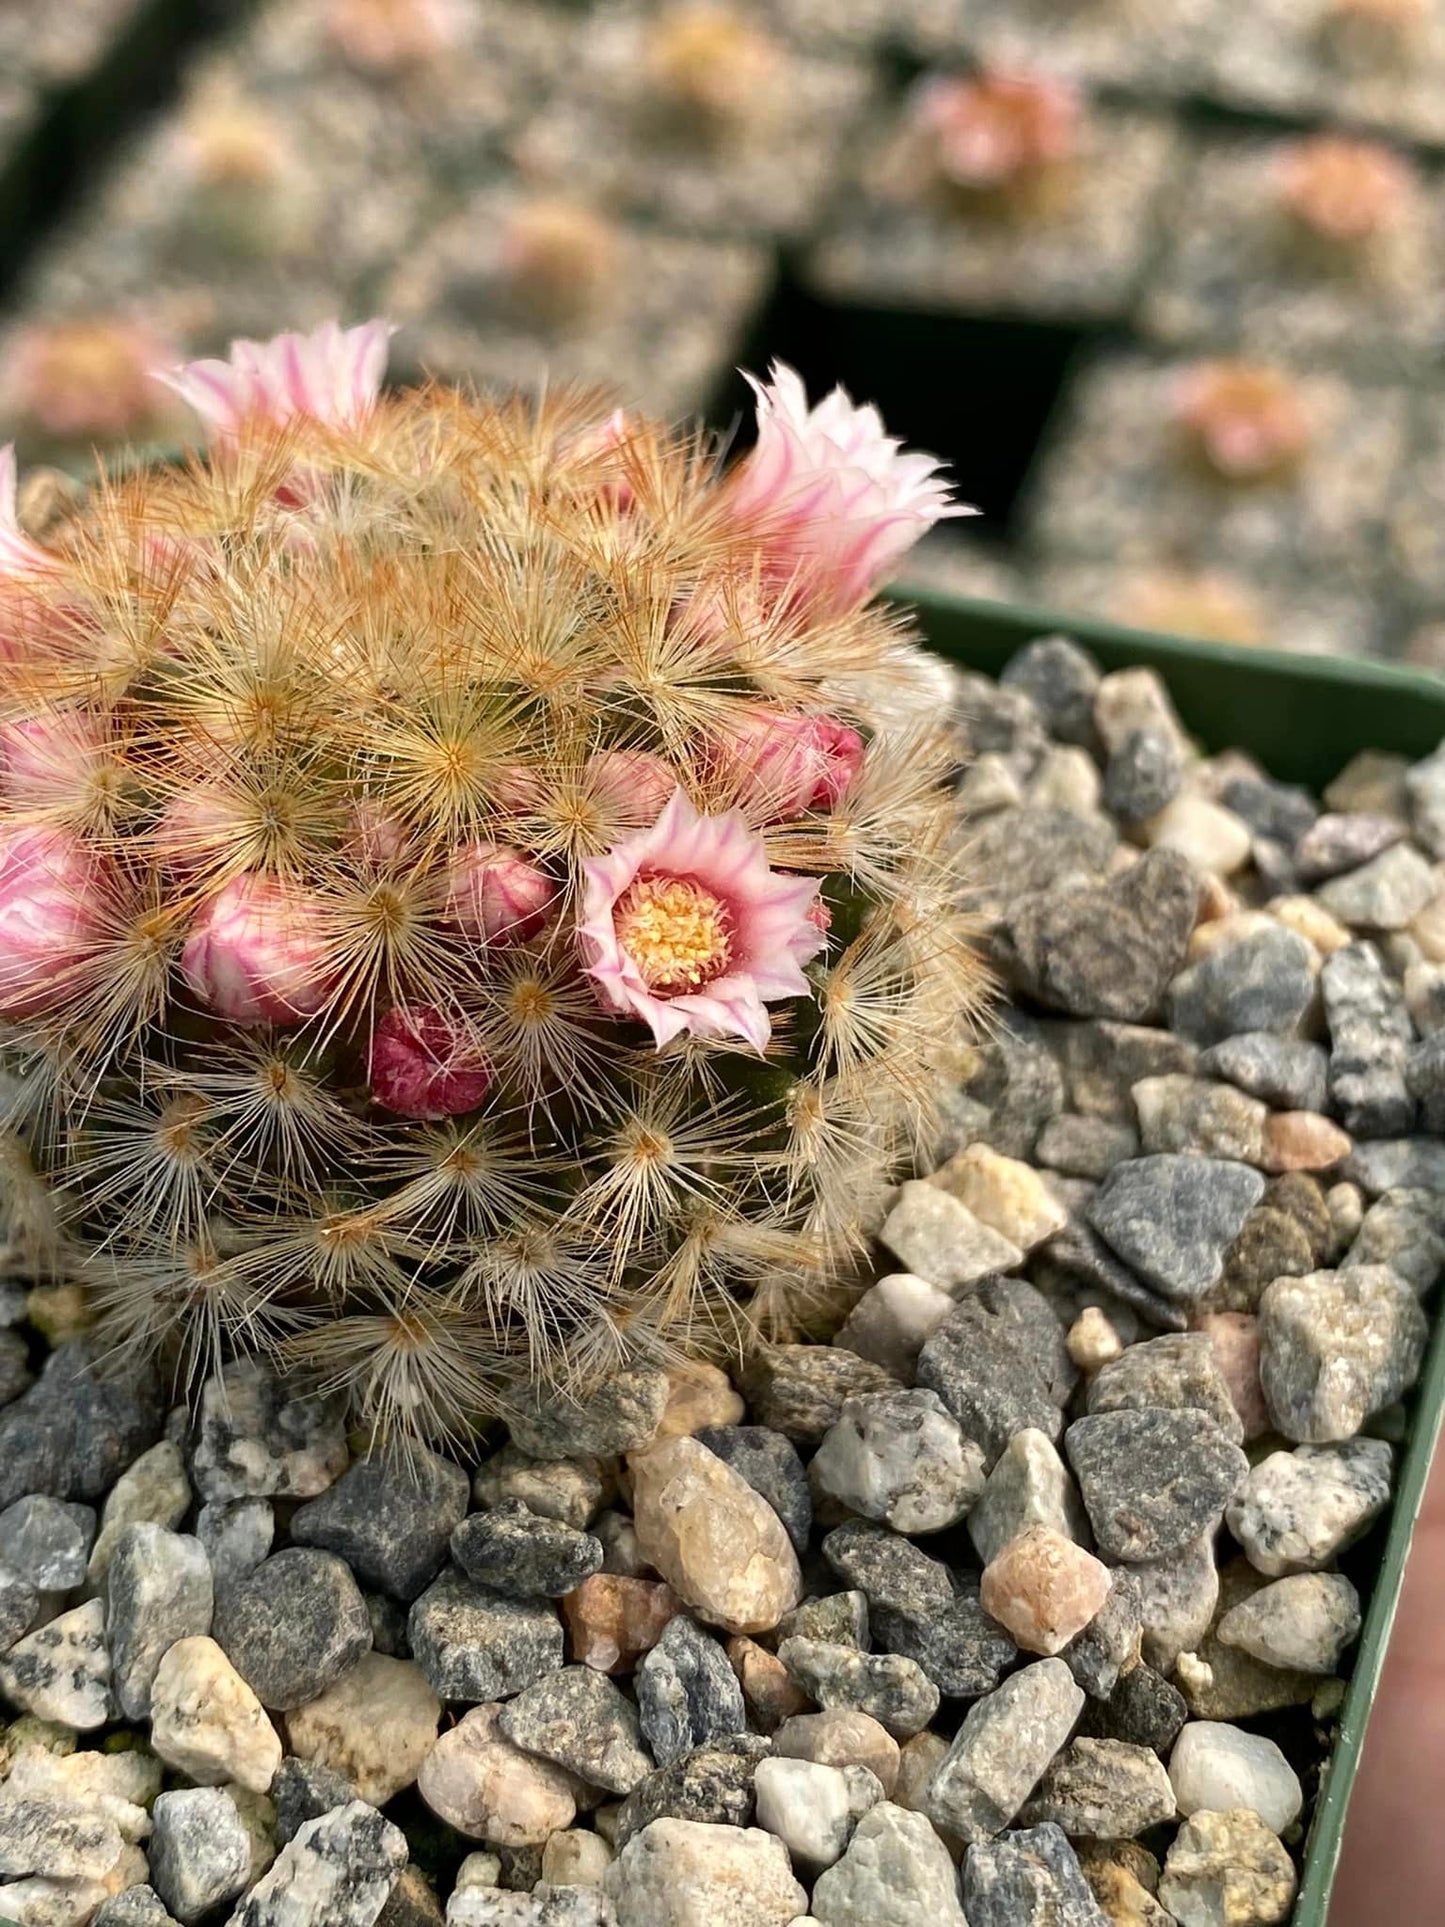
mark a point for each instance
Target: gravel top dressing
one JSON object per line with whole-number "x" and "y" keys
{"x": 1027, "y": 1602}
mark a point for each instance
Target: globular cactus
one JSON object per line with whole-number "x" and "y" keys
{"x": 477, "y": 887}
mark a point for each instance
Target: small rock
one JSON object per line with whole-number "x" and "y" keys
{"x": 699, "y": 1395}
{"x": 1119, "y": 1885}
{"x": 1108, "y": 951}
{"x": 1387, "y": 893}
{"x": 1093, "y": 1341}
{"x": 1234, "y": 1339}
{"x": 891, "y": 1689}
{"x": 896, "y": 1873}
{"x": 612, "y": 1620}
{"x": 687, "y": 1693}
{"x": 256, "y": 1442}
{"x": 1178, "y": 1372}
{"x": 199, "y": 1852}
{"x": 1227, "y": 1870}
{"x": 799, "y": 1390}
{"x": 569, "y": 1490}
{"x": 1103, "y": 1790}
{"x": 1191, "y": 1114}
{"x": 1002, "y": 1750}
{"x": 40, "y": 1902}
{"x": 119, "y": 1787}
{"x": 1112, "y": 1641}
{"x": 1300, "y": 1509}
{"x": 1265, "y": 981}
{"x": 1143, "y": 1710}
{"x": 1003, "y": 1193}
{"x": 932, "y": 1233}
{"x": 1153, "y": 1481}
{"x": 716, "y": 1542}
{"x": 1337, "y": 841}
{"x": 206, "y": 1721}
{"x": 891, "y": 1321}
{"x": 1142, "y": 775}
{"x": 1280, "y": 812}
{"x": 961, "y": 1649}
{"x": 901, "y": 1458}
{"x": 61, "y": 1672}
{"x": 338, "y": 1872}
{"x": 58, "y": 1839}
{"x": 842, "y": 1738}
{"x": 578, "y": 1719}
{"x": 412, "y": 1902}
{"x": 896, "y": 1575}
{"x": 807, "y": 1806}
{"x": 1062, "y": 682}
{"x": 475, "y": 1645}
{"x": 303, "y": 1791}
{"x": 1021, "y": 852}
{"x": 713, "y": 1783}
{"x": 771, "y": 1696}
{"x": 1043, "y": 1589}
{"x": 1104, "y": 1062}
{"x": 1215, "y": 1768}
{"x": 237, "y": 1535}
{"x": 389, "y": 1519}
{"x": 154, "y": 1489}
{"x": 543, "y": 1906}
{"x": 1029, "y": 1485}
{"x": 686, "y": 1873}
{"x": 133, "y": 1907}
{"x": 1406, "y": 1231}
{"x": 293, "y": 1626}
{"x": 158, "y": 1590}
{"x": 1210, "y": 837}
{"x": 1304, "y": 1622}
{"x": 1177, "y": 1598}
{"x": 1086, "y": 1147}
{"x": 1000, "y": 1363}
{"x": 1286, "y": 1072}
{"x": 19, "y": 1608}
{"x": 1335, "y": 1347}
{"x": 1171, "y": 1218}
{"x": 1370, "y": 1034}
{"x": 1425, "y": 1081}
{"x": 620, "y": 1414}
{"x": 1031, "y": 1878}
{"x": 1407, "y": 1163}
{"x": 375, "y": 1725}
{"x": 46, "y": 1542}
{"x": 518, "y": 1552}
{"x": 72, "y": 1433}
{"x": 1299, "y": 1141}
{"x": 769, "y": 1462}
{"x": 575, "y": 1858}
{"x": 1067, "y": 778}
{"x": 477, "y": 1781}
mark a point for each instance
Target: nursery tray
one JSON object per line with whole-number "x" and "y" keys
{"x": 1303, "y": 717}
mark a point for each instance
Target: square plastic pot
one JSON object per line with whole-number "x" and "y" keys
{"x": 1303, "y": 717}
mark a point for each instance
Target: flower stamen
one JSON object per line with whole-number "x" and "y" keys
{"x": 678, "y": 934}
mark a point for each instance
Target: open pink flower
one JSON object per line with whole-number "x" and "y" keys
{"x": 332, "y": 375}
{"x": 685, "y": 927}
{"x": 52, "y": 918}
{"x": 19, "y": 556}
{"x": 785, "y": 765}
{"x": 496, "y": 895}
{"x": 997, "y": 129}
{"x": 831, "y": 500}
{"x": 424, "y": 1064}
{"x": 260, "y": 952}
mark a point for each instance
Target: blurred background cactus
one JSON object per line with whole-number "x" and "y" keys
{"x": 476, "y": 898}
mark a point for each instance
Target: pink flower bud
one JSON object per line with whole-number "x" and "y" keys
{"x": 377, "y": 834}
{"x": 632, "y": 785}
{"x": 260, "y": 952}
{"x": 49, "y": 759}
{"x": 1345, "y": 191}
{"x": 52, "y": 918}
{"x": 201, "y": 826}
{"x": 788, "y": 764}
{"x": 997, "y": 129}
{"x": 1248, "y": 423}
{"x": 496, "y": 895}
{"x": 424, "y": 1064}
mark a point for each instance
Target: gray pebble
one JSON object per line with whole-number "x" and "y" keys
{"x": 475, "y": 1645}
{"x": 1016, "y": 853}
{"x": 1079, "y": 1261}
{"x": 1086, "y": 1147}
{"x": 1108, "y": 951}
{"x": 1061, "y": 680}
{"x": 1179, "y": 1371}
{"x": 1195, "y": 1114}
{"x": 303, "y": 1790}
{"x": 338, "y": 1872}
{"x": 1144, "y": 772}
{"x": 961, "y": 1649}
{"x": 1171, "y": 1218}
{"x": 1387, "y": 893}
{"x": 580, "y": 1720}
{"x": 199, "y": 1852}
{"x": 1265, "y": 981}
{"x": 57, "y": 1839}
{"x": 1000, "y": 1363}
{"x": 254, "y": 1440}
{"x": 1028, "y": 1486}
{"x": 293, "y": 1626}
{"x": 1305, "y": 1622}
{"x": 1153, "y": 1481}
{"x": 1289, "y": 1073}
{"x": 1103, "y": 1790}
{"x": 1104, "y": 1061}
{"x": 842, "y": 1618}
{"x": 896, "y": 1575}
{"x": 1177, "y": 1598}
{"x": 711, "y": 1786}
{"x": 1300, "y": 1509}
{"x": 902, "y": 1459}
{"x": 895, "y": 1870}
{"x": 46, "y": 1542}
{"x": 1277, "y": 812}
{"x": 1002, "y": 1749}
{"x": 19, "y": 1605}
{"x": 620, "y": 1413}
{"x": 687, "y": 1692}
{"x": 61, "y": 1671}
{"x": 799, "y": 1390}
{"x": 237, "y": 1535}
{"x": 1143, "y": 1710}
{"x": 1336, "y": 1346}
{"x": 158, "y": 1590}
{"x": 389, "y": 1518}
{"x": 1393, "y": 1164}
{"x": 517, "y": 1552}
{"x": 888, "y": 1687}
{"x": 1017, "y": 1084}
{"x": 1344, "y": 840}
{"x": 75, "y": 1430}
{"x": 1030, "y": 1879}
{"x": 770, "y": 1464}
{"x": 1406, "y": 1231}
{"x": 133, "y": 1907}
{"x": 1370, "y": 1036}
{"x": 1111, "y": 1642}
{"x": 1425, "y": 1081}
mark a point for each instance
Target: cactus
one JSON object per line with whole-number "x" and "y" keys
{"x": 478, "y": 898}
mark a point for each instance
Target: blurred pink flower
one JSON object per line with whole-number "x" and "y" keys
{"x": 1247, "y": 422}
{"x": 19, "y": 556}
{"x": 685, "y": 927}
{"x": 52, "y": 918}
{"x": 89, "y": 377}
{"x": 632, "y": 784}
{"x": 424, "y": 1064}
{"x": 260, "y": 952}
{"x": 496, "y": 896}
{"x": 998, "y": 128}
{"x": 332, "y": 375}
{"x": 784, "y": 765}
{"x": 1344, "y": 190}
{"x": 831, "y": 500}
{"x": 48, "y": 759}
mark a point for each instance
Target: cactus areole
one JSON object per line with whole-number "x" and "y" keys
{"x": 477, "y": 885}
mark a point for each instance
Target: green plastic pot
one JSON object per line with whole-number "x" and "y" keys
{"x": 1303, "y": 717}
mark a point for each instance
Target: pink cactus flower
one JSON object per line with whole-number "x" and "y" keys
{"x": 1346, "y": 191}
{"x": 783, "y": 765}
{"x": 52, "y": 918}
{"x": 998, "y": 129}
{"x": 632, "y": 785}
{"x": 1247, "y": 422}
{"x": 48, "y": 759}
{"x": 424, "y": 1064}
{"x": 685, "y": 927}
{"x": 86, "y": 378}
{"x": 832, "y": 500}
{"x": 496, "y": 895}
{"x": 19, "y": 556}
{"x": 332, "y": 375}
{"x": 260, "y": 952}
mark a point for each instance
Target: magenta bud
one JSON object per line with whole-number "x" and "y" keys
{"x": 424, "y": 1064}
{"x": 633, "y": 784}
{"x": 260, "y": 952}
{"x": 52, "y": 918}
{"x": 496, "y": 895}
{"x": 785, "y": 765}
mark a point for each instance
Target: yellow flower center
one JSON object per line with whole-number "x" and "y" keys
{"x": 677, "y": 933}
